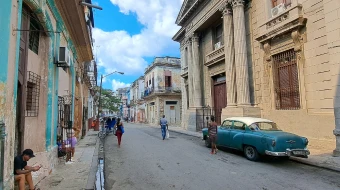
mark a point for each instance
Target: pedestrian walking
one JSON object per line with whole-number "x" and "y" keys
{"x": 119, "y": 131}
{"x": 164, "y": 126}
{"x": 212, "y": 130}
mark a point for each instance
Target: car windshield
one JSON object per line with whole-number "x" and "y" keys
{"x": 264, "y": 126}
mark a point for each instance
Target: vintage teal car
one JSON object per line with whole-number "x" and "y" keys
{"x": 256, "y": 137}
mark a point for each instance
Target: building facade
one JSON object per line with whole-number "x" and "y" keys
{"x": 33, "y": 32}
{"x": 263, "y": 58}
{"x": 137, "y": 110}
{"x": 122, "y": 93}
{"x": 162, "y": 95}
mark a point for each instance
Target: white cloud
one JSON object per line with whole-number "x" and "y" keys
{"x": 117, "y": 84}
{"x": 122, "y": 52}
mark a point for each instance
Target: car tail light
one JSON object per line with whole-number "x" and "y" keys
{"x": 273, "y": 143}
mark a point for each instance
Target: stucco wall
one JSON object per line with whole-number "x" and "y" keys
{"x": 8, "y": 82}
{"x": 35, "y": 126}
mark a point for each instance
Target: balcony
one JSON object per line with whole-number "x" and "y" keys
{"x": 162, "y": 91}
{"x": 184, "y": 73}
{"x": 73, "y": 15}
{"x": 289, "y": 20}
{"x": 214, "y": 57}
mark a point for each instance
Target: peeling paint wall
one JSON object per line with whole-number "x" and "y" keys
{"x": 8, "y": 61}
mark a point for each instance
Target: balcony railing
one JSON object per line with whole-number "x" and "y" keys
{"x": 184, "y": 71}
{"x": 214, "y": 57}
{"x": 162, "y": 90}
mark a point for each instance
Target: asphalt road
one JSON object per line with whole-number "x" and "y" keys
{"x": 146, "y": 162}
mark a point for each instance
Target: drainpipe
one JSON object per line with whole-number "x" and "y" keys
{"x": 2, "y": 150}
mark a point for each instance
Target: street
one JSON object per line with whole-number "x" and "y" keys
{"x": 145, "y": 161}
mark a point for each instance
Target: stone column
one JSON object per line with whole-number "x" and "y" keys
{"x": 229, "y": 54}
{"x": 197, "y": 82}
{"x": 190, "y": 73}
{"x": 241, "y": 60}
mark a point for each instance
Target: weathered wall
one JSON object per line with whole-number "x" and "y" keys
{"x": 9, "y": 16}
{"x": 34, "y": 126}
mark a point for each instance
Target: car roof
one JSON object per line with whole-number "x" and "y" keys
{"x": 248, "y": 120}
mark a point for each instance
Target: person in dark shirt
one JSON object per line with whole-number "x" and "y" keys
{"x": 213, "y": 134}
{"x": 22, "y": 172}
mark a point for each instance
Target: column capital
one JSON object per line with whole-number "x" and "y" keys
{"x": 236, "y": 3}
{"x": 225, "y": 8}
{"x": 195, "y": 38}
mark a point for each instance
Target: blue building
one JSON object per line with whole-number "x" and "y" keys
{"x": 41, "y": 49}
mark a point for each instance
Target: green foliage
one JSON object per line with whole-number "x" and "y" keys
{"x": 109, "y": 101}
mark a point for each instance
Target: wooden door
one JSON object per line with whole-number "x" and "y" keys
{"x": 21, "y": 92}
{"x": 172, "y": 114}
{"x": 220, "y": 99}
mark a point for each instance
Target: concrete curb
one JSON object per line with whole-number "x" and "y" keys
{"x": 91, "y": 182}
{"x": 315, "y": 164}
{"x": 100, "y": 177}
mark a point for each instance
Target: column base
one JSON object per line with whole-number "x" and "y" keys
{"x": 336, "y": 152}
{"x": 246, "y": 111}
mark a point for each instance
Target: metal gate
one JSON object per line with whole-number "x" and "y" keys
{"x": 64, "y": 121}
{"x": 85, "y": 110}
{"x": 203, "y": 117}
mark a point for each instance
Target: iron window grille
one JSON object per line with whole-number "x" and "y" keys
{"x": 286, "y": 81}
{"x": 32, "y": 96}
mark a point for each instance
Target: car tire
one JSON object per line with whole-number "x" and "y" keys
{"x": 207, "y": 142}
{"x": 250, "y": 153}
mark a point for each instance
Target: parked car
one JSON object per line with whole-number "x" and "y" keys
{"x": 256, "y": 137}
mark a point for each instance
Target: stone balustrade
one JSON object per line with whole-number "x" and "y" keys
{"x": 214, "y": 57}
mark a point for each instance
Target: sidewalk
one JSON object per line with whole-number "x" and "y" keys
{"x": 317, "y": 158}
{"x": 80, "y": 174}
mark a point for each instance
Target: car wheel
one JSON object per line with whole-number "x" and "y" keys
{"x": 251, "y": 153}
{"x": 208, "y": 142}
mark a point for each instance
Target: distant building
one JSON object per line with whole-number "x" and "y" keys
{"x": 162, "y": 92}
{"x": 137, "y": 109}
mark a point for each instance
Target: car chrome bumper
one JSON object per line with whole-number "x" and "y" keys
{"x": 289, "y": 152}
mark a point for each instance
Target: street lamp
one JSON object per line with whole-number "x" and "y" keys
{"x": 100, "y": 90}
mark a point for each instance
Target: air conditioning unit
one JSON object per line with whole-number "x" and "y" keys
{"x": 64, "y": 58}
{"x": 217, "y": 45}
{"x": 278, "y": 9}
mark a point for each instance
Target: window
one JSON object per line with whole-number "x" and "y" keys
{"x": 32, "y": 94}
{"x": 286, "y": 82}
{"x": 167, "y": 75}
{"x": 170, "y": 102}
{"x": 277, "y": 2}
{"x": 34, "y": 35}
{"x": 239, "y": 125}
{"x": 264, "y": 126}
{"x": 218, "y": 36}
{"x": 226, "y": 124}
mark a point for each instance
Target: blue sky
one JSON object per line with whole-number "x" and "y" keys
{"x": 129, "y": 34}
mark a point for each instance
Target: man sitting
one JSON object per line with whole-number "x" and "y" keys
{"x": 22, "y": 172}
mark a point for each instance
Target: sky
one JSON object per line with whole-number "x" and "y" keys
{"x": 129, "y": 34}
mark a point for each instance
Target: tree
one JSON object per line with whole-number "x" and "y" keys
{"x": 109, "y": 100}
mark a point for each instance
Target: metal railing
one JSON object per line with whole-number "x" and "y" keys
{"x": 160, "y": 90}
